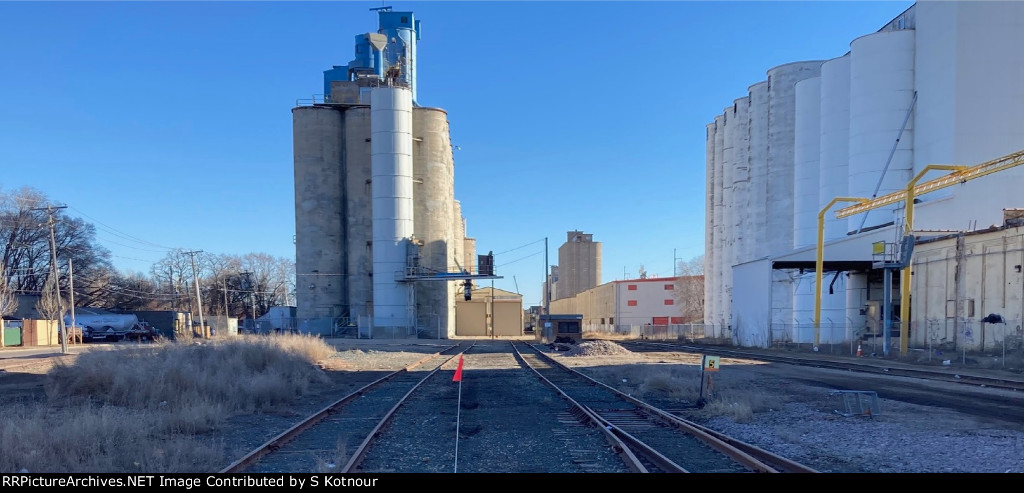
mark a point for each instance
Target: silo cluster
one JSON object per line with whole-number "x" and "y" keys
{"x": 934, "y": 85}
{"x": 374, "y": 192}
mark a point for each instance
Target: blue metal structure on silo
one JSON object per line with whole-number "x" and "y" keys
{"x": 388, "y": 54}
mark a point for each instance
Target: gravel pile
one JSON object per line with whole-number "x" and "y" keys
{"x": 597, "y": 348}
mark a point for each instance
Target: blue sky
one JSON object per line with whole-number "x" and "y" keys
{"x": 168, "y": 124}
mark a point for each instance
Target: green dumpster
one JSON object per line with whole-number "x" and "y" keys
{"x": 12, "y": 336}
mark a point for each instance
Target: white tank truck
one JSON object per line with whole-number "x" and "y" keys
{"x": 110, "y": 326}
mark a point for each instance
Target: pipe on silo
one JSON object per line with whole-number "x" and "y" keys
{"x": 709, "y": 225}
{"x": 728, "y": 242}
{"x": 719, "y": 219}
{"x": 881, "y": 95}
{"x": 320, "y": 232}
{"x": 740, "y": 203}
{"x": 392, "y": 205}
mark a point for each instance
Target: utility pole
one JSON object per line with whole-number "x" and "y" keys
{"x": 71, "y": 293}
{"x": 225, "y": 296}
{"x": 199, "y": 299}
{"x": 547, "y": 280}
{"x": 50, "y": 211}
{"x": 252, "y": 296}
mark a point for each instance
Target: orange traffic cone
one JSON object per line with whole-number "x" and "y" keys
{"x": 859, "y": 352}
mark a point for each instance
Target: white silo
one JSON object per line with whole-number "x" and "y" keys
{"x": 806, "y": 154}
{"x": 969, "y": 66}
{"x": 856, "y": 301}
{"x": 806, "y": 158}
{"x": 969, "y": 62}
{"x": 781, "y": 130}
{"x": 719, "y": 220}
{"x": 709, "y": 224}
{"x": 835, "y": 141}
{"x": 782, "y": 82}
{"x": 881, "y": 96}
{"x": 740, "y": 225}
{"x": 834, "y": 182}
{"x": 757, "y": 158}
{"x": 391, "y": 189}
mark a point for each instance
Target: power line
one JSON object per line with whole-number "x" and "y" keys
{"x": 123, "y": 235}
{"x": 518, "y": 247}
{"x": 521, "y": 258}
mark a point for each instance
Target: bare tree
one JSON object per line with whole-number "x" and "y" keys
{"x": 26, "y": 252}
{"x": 8, "y": 302}
{"x": 271, "y": 279}
{"x": 690, "y": 289}
{"x": 172, "y": 275}
{"x": 47, "y": 305}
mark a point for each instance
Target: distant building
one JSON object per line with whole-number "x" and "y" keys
{"x": 650, "y": 301}
{"x": 579, "y": 264}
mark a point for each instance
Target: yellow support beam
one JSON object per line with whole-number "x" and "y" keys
{"x": 820, "y": 264}
{"x": 960, "y": 176}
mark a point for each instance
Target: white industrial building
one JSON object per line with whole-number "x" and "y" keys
{"x": 618, "y": 306}
{"x": 816, "y": 147}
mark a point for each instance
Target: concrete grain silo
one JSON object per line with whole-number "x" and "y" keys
{"x": 740, "y": 203}
{"x": 757, "y": 155}
{"x": 833, "y": 177}
{"x": 782, "y": 82}
{"x": 376, "y": 216}
{"x": 358, "y": 206}
{"x": 319, "y": 208}
{"x": 881, "y": 99}
{"x": 806, "y": 156}
{"x": 434, "y": 187}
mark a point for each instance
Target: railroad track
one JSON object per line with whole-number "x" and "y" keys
{"x": 356, "y": 417}
{"x": 875, "y": 367}
{"x": 506, "y": 419}
{"x": 653, "y": 440}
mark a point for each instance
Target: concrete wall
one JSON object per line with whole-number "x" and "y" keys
{"x": 961, "y": 279}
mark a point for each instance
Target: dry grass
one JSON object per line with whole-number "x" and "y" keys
{"x": 139, "y": 409}
{"x": 681, "y": 384}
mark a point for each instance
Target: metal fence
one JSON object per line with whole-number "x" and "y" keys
{"x": 709, "y": 333}
{"x": 361, "y": 327}
{"x": 965, "y": 342}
